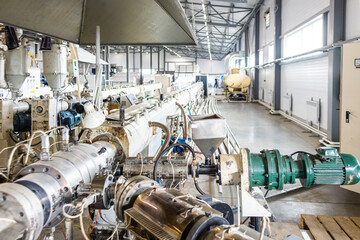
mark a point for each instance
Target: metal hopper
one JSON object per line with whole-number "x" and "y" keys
{"x": 208, "y": 132}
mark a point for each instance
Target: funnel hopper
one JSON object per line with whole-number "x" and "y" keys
{"x": 16, "y": 68}
{"x": 208, "y": 132}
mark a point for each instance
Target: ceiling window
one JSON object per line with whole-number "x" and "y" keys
{"x": 306, "y": 38}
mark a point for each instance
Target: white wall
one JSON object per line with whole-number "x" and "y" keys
{"x": 205, "y": 66}
{"x": 267, "y": 35}
{"x": 211, "y": 67}
{"x": 352, "y": 19}
{"x": 295, "y": 12}
{"x": 303, "y": 79}
{"x": 306, "y": 80}
{"x": 120, "y": 60}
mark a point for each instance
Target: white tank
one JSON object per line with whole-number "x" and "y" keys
{"x": 16, "y": 68}
{"x": 55, "y": 66}
{"x": 237, "y": 80}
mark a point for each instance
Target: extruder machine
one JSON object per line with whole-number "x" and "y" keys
{"x": 130, "y": 169}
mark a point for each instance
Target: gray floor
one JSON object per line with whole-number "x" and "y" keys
{"x": 256, "y": 129}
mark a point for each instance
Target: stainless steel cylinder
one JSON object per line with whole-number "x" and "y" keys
{"x": 42, "y": 188}
{"x": 152, "y": 212}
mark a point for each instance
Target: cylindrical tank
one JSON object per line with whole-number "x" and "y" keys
{"x": 35, "y": 200}
{"x": 237, "y": 80}
{"x": 55, "y": 66}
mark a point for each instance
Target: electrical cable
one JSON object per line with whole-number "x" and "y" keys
{"x": 198, "y": 188}
{"x": 309, "y": 154}
{"x": 97, "y": 215}
{"x": 82, "y": 132}
{"x": 16, "y": 141}
{"x": 196, "y": 183}
{"x": 301, "y": 152}
{"x": 157, "y": 160}
{"x": 63, "y": 228}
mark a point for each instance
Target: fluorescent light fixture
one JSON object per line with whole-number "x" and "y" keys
{"x": 207, "y": 29}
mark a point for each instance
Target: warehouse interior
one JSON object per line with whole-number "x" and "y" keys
{"x": 180, "y": 119}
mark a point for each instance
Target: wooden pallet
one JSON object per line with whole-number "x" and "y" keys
{"x": 330, "y": 228}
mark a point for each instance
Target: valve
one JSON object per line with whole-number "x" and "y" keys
{"x": 45, "y": 148}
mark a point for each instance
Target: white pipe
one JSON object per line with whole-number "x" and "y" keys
{"x": 20, "y": 107}
{"x": 97, "y": 46}
{"x": 97, "y": 93}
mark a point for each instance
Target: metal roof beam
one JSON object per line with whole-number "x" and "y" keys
{"x": 221, "y": 6}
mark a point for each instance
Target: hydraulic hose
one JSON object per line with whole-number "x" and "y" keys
{"x": 196, "y": 183}
{"x": 157, "y": 160}
{"x": 185, "y": 127}
{"x": 167, "y": 135}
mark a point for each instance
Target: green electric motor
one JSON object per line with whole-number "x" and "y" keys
{"x": 327, "y": 166}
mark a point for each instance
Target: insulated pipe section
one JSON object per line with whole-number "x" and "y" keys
{"x": 185, "y": 127}
{"x": 167, "y": 136}
{"x": 20, "y": 107}
{"x": 272, "y": 170}
{"x": 35, "y": 200}
{"x": 230, "y": 56}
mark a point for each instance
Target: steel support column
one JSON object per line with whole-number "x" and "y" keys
{"x": 141, "y": 66}
{"x": 240, "y": 43}
{"x": 257, "y": 46}
{"x": 336, "y": 34}
{"x": 151, "y": 65}
{"x": 246, "y": 46}
{"x": 277, "y": 87}
{"x": 164, "y": 59}
{"x": 134, "y": 60}
{"x": 127, "y": 65}
{"x": 158, "y": 59}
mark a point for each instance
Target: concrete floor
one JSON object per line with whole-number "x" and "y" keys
{"x": 256, "y": 129}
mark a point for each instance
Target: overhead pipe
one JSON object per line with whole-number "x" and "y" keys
{"x": 237, "y": 55}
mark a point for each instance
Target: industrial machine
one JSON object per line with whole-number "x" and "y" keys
{"x": 349, "y": 108}
{"x": 152, "y": 212}
{"x": 39, "y": 195}
{"x": 237, "y": 82}
{"x": 126, "y": 153}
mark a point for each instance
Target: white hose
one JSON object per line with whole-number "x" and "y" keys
{"x": 54, "y": 144}
{"x": 82, "y": 224}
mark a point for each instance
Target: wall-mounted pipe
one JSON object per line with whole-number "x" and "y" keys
{"x": 230, "y": 56}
